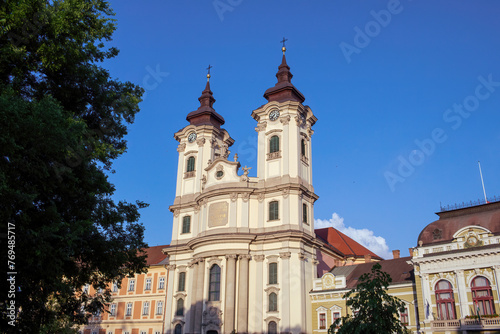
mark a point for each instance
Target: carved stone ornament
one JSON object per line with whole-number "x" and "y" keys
{"x": 225, "y": 151}
{"x": 181, "y": 147}
{"x": 244, "y": 177}
{"x": 212, "y": 318}
{"x": 219, "y": 168}
{"x": 261, "y": 197}
{"x": 437, "y": 234}
{"x": 285, "y": 120}
{"x": 259, "y": 258}
{"x": 235, "y": 157}
{"x": 298, "y": 120}
{"x": 246, "y": 197}
{"x": 302, "y": 256}
{"x": 171, "y": 267}
{"x": 234, "y": 197}
{"x": 200, "y": 141}
{"x": 204, "y": 202}
{"x": 285, "y": 255}
{"x": 285, "y": 192}
{"x": 245, "y": 257}
{"x": 261, "y": 126}
{"x": 176, "y": 213}
{"x": 213, "y": 142}
{"x": 203, "y": 179}
{"x": 310, "y": 132}
{"x": 196, "y": 208}
{"x": 231, "y": 257}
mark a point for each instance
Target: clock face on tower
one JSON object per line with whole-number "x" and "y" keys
{"x": 192, "y": 137}
{"x": 273, "y": 115}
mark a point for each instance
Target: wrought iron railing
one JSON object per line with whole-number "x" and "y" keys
{"x": 469, "y": 204}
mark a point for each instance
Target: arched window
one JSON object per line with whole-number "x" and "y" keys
{"x": 186, "y": 224}
{"x": 273, "y": 302}
{"x": 445, "y": 300}
{"x": 303, "y": 147}
{"x": 180, "y": 307}
{"x": 274, "y": 144}
{"x": 182, "y": 282}
{"x": 273, "y": 273}
{"x": 214, "y": 284}
{"x": 272, "y": 327}
{"x": 482, "y": 296}
{"x": 304, "y": 213}
{"x": 273, "y": 210}
{"x": 190, "y": 164}
{"x": 178, "y": 329}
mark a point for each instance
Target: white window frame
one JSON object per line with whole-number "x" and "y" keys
{"x": 161, "y": 283}
{"x": 129, "y": 314}
{"x": 322, "y": 310}
{"x": 159, "y": 307}
{"x": 145, "y": 308}
{"x": 131, "y": 285}
{"x": 147, "y": 285}
{"x": 112, "y": 310}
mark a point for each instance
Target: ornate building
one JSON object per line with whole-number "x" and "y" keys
{"x": 457, "y": 271}
{"x": 243, "y": 251}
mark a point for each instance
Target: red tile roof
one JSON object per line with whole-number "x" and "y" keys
{"x": 399, "y": 270}
{"x": 342, "y": 243}
{"x": 154, "y": 255}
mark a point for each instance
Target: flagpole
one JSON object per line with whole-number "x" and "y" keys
{"x": 482, "y": 181}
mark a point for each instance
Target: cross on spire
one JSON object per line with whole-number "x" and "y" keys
{"x": 283, "y": 41}
{"x": 208, "y": 69}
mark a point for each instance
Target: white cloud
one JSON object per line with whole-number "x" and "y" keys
{"x": 364, "y": 236}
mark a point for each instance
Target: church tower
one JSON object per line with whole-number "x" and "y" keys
{"x": 243, "y": 250}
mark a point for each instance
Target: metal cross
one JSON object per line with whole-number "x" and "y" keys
{"x": 283, "y": 41}
{"x": 209, "y": 67}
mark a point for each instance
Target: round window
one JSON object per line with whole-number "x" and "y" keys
{"x": 219, "y": 174}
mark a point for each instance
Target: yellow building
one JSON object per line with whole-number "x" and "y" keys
{"x": 457, "y": 267}
{"x": 326, "y": 296}
{"x": 138, "y": 307}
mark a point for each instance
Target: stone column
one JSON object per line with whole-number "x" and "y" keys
{"x": 169, "y": 313}
{"x": 257, "y": 310}
{"x": 230, "y": 286}
{"x": 496, "y": 270}
{"x": 285, "y": 295}
{"x": 243, "y": 295}
{"x": 193, "y": 268}
{"x": 199, "y": 296}
{"x": 462, "y": 293}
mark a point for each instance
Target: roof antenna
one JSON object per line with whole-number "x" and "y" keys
{"x": 482, "y": 181}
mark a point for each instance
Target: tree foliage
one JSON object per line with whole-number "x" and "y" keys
{"x": 63, "y": 120}
{"x": 376, "y": 311}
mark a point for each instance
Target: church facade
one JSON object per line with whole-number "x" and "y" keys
{"x": 243, "y": 253}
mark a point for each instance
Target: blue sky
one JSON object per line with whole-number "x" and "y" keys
{"x": 407, "y": 94}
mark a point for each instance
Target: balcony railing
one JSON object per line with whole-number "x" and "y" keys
{"x": 467, "y": 324}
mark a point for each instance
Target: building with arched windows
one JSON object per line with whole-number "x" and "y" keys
{"x": 457, "y": 271}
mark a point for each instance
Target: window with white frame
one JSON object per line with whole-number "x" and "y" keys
{"x": 273, "y": 302}
{"x": 145, "y": 308}
{"x": 181, "y": 286}
{"x": 112, "y": 309}
{"x": 143, "y": 332}
{"x": 131, "y": 284}
{"x": 322, "y": 320}
{"x": 159, "y": 307}
{"x": 403, "y": 316}
{"x": 128, "y": 310}
{"x": 274, "y": 210}
{"x": 161, "y": 283}
{"x": 148, "y": 284}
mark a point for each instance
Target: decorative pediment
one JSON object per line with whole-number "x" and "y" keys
{"x": 328, "y": 281}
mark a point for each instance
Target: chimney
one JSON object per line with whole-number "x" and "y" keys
{"x": 411, "y": 251}
{"x": 395, "y": 253}
{"x": 368, "y": 258}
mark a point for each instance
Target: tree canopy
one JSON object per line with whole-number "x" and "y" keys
{"x": 375, "y": 311}
{"x": 63, "y": 121}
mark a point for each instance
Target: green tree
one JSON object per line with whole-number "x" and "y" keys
{"x": 63, "y": 120}
{"x": 377, "y": 312}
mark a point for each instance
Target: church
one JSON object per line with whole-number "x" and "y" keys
{"x": 244, "y": 254}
